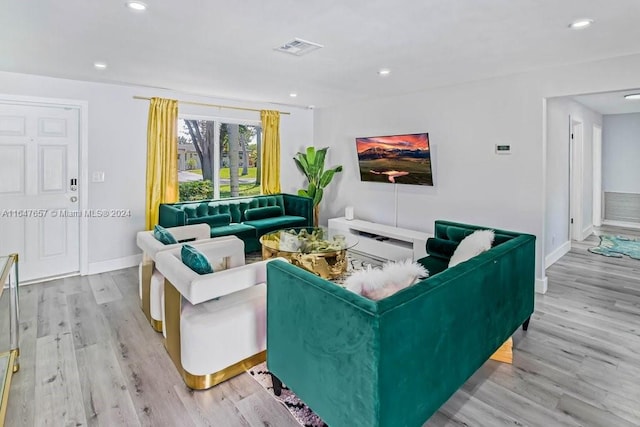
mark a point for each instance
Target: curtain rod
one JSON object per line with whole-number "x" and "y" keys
{"x": 202, "y": 104}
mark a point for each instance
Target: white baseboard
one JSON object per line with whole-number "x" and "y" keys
{"x": 554, "y": 256}
{"x": 621, "y": 224}
{"x": 45, "y": 279}
{"x": 114, "y": 264}
{"x": 541, "y": 285}
{"x": 586, "y": 232}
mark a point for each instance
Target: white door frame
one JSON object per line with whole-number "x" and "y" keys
{"x": 83, "y": 159}
{"x": 597, "y": 175}
{"x": 576, "y": 144}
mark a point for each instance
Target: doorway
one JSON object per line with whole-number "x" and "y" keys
{"x": 39, "y": 187}
{"x": 597, "y": 176}
{"x": 576, "y": 144}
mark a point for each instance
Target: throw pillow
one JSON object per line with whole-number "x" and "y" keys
{"x": 441, "y": 248}
{"x": 472, "y": 245}
{"x": 377, "y": 284}
{"x": 163, "y": 236}
{"x": 262, "y": 213}
{"x": 195, "y": 260}
{"x": 217, "y": 220}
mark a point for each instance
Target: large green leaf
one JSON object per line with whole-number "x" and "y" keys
{"x": 300, "y": 166}
{"x": 327, "y": 176}
{"x": 311, "y": 155}
{"x": 311, "y": 190}
{"x": 314, "y": 171}
{"x": 318, "y": 197}
{"x": 303, "y": 193}
{"x": 303, "y": 165}
{"x": 319, "y": 162}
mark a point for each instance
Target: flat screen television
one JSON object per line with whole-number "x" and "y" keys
{"x": 395, "y": 159}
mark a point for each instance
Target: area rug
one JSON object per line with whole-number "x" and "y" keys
{"x": 617, "y": 246}
{"x": 301, "y": 412}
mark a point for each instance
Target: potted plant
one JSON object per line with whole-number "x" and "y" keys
{"x": 311, "y": 164}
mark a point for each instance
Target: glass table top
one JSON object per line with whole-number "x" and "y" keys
{"x": 307, "y": 240}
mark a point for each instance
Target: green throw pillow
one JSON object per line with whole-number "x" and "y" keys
{"x": 219, "y": 220}
{"x": 195, "y": 260}
{"x": 441, "y": 248}
{"x": 163, "y": 236}
{"x": 262, "y": 213}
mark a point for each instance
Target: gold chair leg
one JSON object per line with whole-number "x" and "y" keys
{"x": 203, "y": 382}
{"x": 147, "y": 271}
{"x": 172, "y": 309}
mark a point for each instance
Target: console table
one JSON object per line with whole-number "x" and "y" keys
{"x": 9, "y": 360}
{"x": 382, "y": 241}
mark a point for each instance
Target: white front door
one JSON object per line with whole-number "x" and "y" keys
{"x": 39, "y": 206}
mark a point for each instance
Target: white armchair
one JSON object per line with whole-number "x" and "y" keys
{"x": 215, "y": 324}
{"x": 150, "y": 281}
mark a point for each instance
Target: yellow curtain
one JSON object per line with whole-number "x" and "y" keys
{"x": 162, "y": 157}
{"x": 270, "y": 172}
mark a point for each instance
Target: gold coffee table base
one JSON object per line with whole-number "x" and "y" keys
{"x": 504, "y": 353}
{"x": 327, "y": 265}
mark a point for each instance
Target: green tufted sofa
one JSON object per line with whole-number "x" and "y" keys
{"x": 248, "y": 218}
{"x": 394, "y": 362}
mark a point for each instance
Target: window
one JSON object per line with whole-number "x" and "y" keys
{"x": 217, "y": 159}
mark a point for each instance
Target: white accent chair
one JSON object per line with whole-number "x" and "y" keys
{"x": 215, "y": 323}
{"x": 150, "y": 281}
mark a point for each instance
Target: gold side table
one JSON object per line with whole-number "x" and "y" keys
{"x": 9, "y": 360}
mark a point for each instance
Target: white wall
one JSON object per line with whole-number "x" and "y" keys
{"x": 560, "y": 111}
{"x": 117, "y": 146}
{"x": 620, "y": 152}
{"x": 472, "y": 184}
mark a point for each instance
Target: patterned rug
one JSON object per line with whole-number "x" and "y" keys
{"x": 300, "y": 411}
{"x": 617, "y": 246}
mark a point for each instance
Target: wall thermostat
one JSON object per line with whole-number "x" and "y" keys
{"x": 503, "y": 149}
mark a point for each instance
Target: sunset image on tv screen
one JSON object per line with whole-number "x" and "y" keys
{"x": 396, "y": 159}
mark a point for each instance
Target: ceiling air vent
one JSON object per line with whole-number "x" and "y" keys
{"x": 298, "y": 47}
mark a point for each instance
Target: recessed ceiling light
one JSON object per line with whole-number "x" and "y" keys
{"x": 579, "y": 24}
{"x": 293, "y": 94}
{"x": 136, "y": 5}
{"x": 384, "y": 72}
{"x": 99, "y": 65}
{"x": 632, "y": 96}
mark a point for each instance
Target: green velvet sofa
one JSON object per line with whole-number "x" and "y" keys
{"x": 248, "y": 218}
{"x": 394, "y": 362}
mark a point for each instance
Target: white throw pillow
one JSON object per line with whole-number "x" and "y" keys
{"x": 377, "y": 284}
{"x": 472, "y": 245}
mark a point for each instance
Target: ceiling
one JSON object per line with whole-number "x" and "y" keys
{"x": 610, "y": 102}
{"x": 225, "y": 48}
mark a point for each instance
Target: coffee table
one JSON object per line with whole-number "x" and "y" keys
{"x": 313, "y": 248}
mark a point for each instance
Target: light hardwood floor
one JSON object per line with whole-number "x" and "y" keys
{"x": 89, "y": 357}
